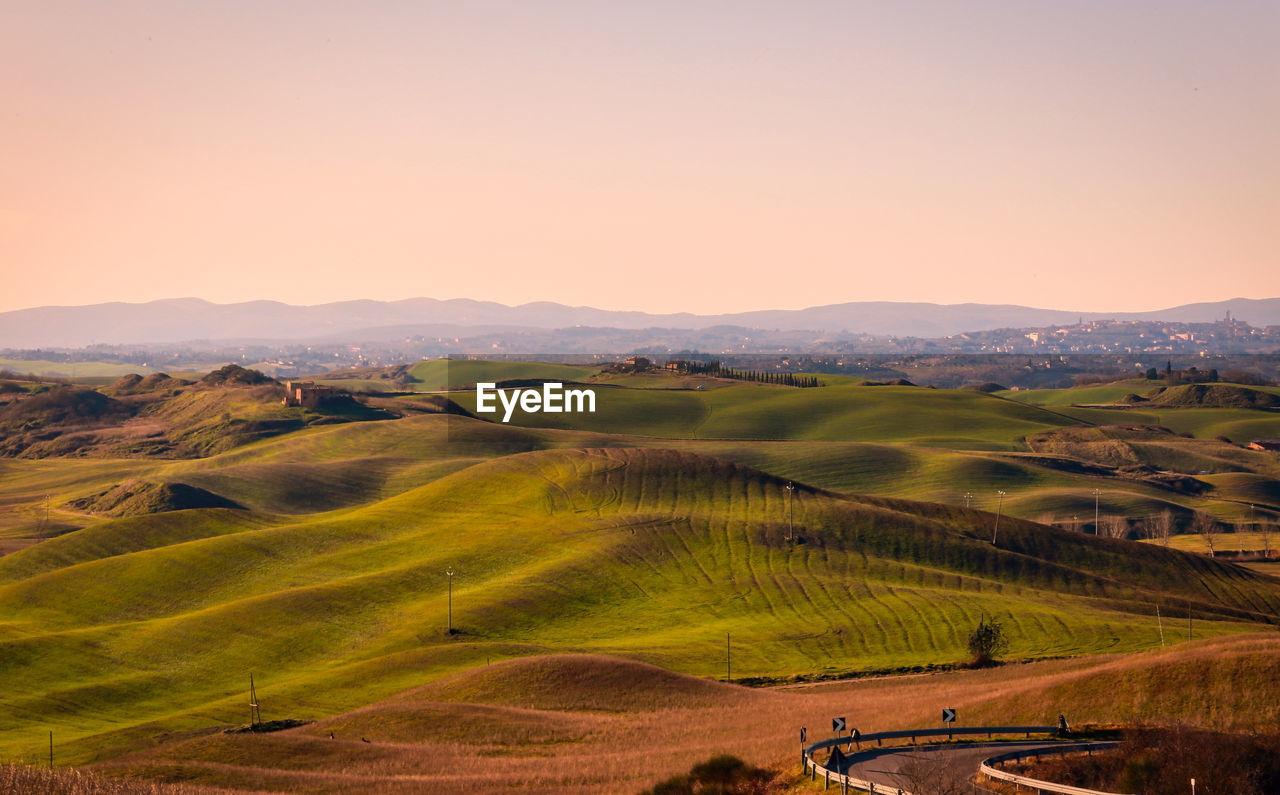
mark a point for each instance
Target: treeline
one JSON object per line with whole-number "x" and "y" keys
{"x": 714, "y": 368}
{"x": 93, "y": 353}
{"x": 31, "y": 378}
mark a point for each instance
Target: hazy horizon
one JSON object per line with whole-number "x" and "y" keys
{"x": 762, "y": 308}
{"x": 662, "y": 157}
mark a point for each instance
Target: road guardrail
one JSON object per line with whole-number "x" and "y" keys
{"x": 846, "y": 782}
{"x": 990, "y": 770}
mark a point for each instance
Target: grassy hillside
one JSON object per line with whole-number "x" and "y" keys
{"x": 905, "y": 415}
{"x": 1226, "y": 685}
{"x": 70, "y": 369}
{"x": 331, "y": 466}
{"x": 1203, "y": 410}
{"x": 1157, "y": 391}
{"x": 155, "y": 622}
{"x": 438, "y": 374}
{"x": 1083, "y": 395}
{"x": 1228, "y": 542}
{"x": 586, "y": 723}
{"x": 1122, "y": 446}
{"x": 328, "y": 467}
{"x": 661, "y": 380}
{"x": 645, "y": 534}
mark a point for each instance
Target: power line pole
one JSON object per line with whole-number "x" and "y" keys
{"x": 449, "y": 572}
{"x": 1096, "y": 495}
{"x": 968, "y": 499}
{"x": 999, "y": 508}
{"x": 791, "y": 511}
{"x": 255, "y": 715}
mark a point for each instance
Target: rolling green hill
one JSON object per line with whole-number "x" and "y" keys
{"x": 322, "y": 468}
{"x": 72, "y": 369}
{"x": 147, "y": 623}
{"x": 313, "y": 549}
{"x": 905, "y": 415}
{"x": 331, "y": 466}
{"x": 1082, "y": 395}
{"x": 440, "y": 374}
{"x": 1204, "y": 410}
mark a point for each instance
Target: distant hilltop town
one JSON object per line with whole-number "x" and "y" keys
{"x": 1123, "y": 336}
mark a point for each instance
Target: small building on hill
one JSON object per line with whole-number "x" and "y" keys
{"x": 306, "y": 394}
{"x": 677, "y": 365}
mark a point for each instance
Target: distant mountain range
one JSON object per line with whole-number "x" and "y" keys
{"x": 191, "y": 319}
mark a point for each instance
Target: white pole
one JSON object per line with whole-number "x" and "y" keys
{"x": 791, "y": 494}
{"x": 999, "y": 508}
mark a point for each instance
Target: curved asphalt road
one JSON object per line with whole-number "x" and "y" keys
{"x": 929, "y": 768}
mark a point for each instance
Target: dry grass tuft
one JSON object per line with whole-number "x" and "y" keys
{"x": 19, "y": 778}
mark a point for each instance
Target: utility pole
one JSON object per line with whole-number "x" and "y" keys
{"x": 1096, "y": 527}
{"x": 449, "y": 572}
{"x": 999, "y": 508}
{"x": 791, "y": 511}
{"x": 255, "y": 715}
{"x": 968, "y": 499}
{"x": 1160, "y": 622}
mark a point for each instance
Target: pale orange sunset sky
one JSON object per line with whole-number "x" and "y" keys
{"x": 663, "y": 156}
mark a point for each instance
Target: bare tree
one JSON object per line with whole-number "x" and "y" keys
{"x": 1161, "y": 526}
{"x": 930, "y": 770}
{"x": 1265, "y": 529}
{"x": 1204, "y": 525}
{"x": 1115, "y": 526}
{"x": 1145, "y": 529}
